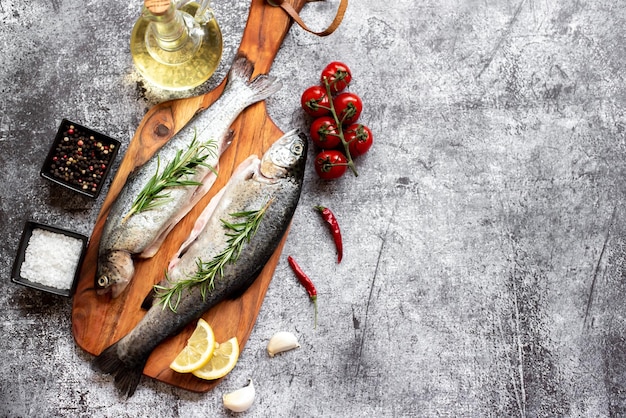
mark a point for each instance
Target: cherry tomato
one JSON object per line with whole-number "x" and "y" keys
{"x": 359, "y": 138}
{"x": 330, "y": 164}
{"x": 337, "y": 75}
{"x": 324, "y": 132}
{"x": 348, "y": 107}
{"x": 315, "y": 101}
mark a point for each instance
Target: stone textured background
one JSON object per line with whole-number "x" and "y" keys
{"x": 485, "y": 242}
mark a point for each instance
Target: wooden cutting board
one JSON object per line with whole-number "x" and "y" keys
{"x": 99, "y": 321}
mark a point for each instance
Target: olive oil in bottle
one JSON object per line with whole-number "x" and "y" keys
{"x": 176, "y": 48}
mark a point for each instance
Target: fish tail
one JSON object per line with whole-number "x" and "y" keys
{"x": 261, "y": 87}
{"x": 127, "y": 375}
{"x": 264, "y": 86}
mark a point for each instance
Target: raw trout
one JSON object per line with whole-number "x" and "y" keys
{"x": 129, "y": 234}
{"x": 271, "y": 185}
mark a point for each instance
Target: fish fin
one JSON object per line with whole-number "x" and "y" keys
{"x": 241, "y": 69}
{"x": 127, "y": 376}
{"x": 228, "y": 138}
{"x": 152, "y": 296}
{"x": 262, "y": 85}
{"x": 148, "y": 300}
{"x": 265, "y": 86}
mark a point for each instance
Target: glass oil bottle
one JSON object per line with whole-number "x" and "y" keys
{"x": 176, "y": 46}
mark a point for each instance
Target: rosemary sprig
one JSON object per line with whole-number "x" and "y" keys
{"x": 238, "y": 234}
{"x": 154, "y": 193}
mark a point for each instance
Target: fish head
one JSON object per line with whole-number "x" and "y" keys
{"x": 286, "y": 155}
{"x": 115, "y": 269}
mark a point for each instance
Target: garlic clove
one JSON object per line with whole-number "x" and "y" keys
{"x": 241, "y": 399}
{"x": 282, "y": 341}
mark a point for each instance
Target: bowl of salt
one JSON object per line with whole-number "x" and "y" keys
{"x": 49, "y": 259}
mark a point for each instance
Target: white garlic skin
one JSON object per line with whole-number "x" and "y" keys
{"x": 240, "y": 400}
{"x": 282, "y": 341}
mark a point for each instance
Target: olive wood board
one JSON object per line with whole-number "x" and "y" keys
{"x": 99, "y": 320}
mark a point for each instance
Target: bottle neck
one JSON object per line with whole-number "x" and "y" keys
{"x": 168, "y": 29}
{"x": 173, "y": 36}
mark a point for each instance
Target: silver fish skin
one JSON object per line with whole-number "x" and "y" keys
{"x": 141, "y": 234}
{"x": 276, "y": 178}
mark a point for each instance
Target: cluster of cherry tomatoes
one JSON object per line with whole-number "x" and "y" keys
{"x": 335, "y": 129}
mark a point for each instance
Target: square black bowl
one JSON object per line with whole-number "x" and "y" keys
{"x": 16, "y": 276}
{"x": 80, "y": 158}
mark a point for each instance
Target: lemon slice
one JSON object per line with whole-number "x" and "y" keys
{"x": 223, "y": 361}
{"x": 198, "y": 351}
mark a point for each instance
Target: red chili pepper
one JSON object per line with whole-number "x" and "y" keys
{"x": 306, "y": 282}
{"x": 331, "y": 219}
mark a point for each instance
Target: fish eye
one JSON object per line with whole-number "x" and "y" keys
{"x": 297, "y": 148}
{"x": 103, "y": 281}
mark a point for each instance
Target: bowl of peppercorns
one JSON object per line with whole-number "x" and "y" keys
{"x": 80, "y": 158}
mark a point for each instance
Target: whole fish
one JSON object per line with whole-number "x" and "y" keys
{"x": 128, "y": 233}
{"x": 270, "y": 186}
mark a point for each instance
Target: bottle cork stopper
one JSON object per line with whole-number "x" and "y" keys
{"x": 157, "y": 7}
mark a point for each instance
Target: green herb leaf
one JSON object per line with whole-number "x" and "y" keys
{"x": 239, "y": 234}
{"x": 155, "y": 194}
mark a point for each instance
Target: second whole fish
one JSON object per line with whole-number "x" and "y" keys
{"x": 127, "y": 234}
{"x": 270, "y": 186}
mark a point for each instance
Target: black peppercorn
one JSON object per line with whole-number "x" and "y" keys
{"x": 79, "y": 159}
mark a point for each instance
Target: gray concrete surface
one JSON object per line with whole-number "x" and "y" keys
{"x": 484, "y": 238}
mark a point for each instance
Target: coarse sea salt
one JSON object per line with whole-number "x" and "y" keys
{"x": 51, "y": 259}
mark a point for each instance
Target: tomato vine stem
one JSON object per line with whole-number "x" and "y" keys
{"x": 346, "y": 144}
